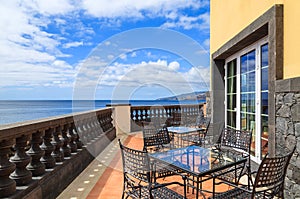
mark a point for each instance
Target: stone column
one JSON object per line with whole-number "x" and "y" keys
{"x": 122, "y": 118}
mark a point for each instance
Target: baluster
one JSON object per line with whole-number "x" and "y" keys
{"x": 57, "y": 143}
{"x": 35, "y": 152}
{"x": 108, "y": 124}
{"x": 7, "y": 185}
{"x": 21, "y": 175}
{"x": 96, "y": 127}
{"x": 111, "y": 120}
{"x": 101, "y": 130}
{"x": 47, "y": 159}
{"x": 134, "y": 118}
{"x": 78, "y": 142}
{"x": 65, "y": 149}
{"x": 72, "y": 144}
{"x": 79, "y": 131}
{"x": 139, "y": 115}
{"x": 91, "y": 128}
{"x": 102, "y": 122}
{"x": 85, "y": 132}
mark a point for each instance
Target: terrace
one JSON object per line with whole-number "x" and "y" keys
{"x": 77, "y": 156}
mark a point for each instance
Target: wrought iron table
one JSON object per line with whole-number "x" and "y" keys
{"x": 198, "y": 162}
{"x": 178, "y": 132}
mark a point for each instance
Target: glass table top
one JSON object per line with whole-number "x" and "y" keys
{"x": 197, "y": 160}
{"x": 183, "y": 129}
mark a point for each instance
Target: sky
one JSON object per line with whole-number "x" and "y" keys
{"x": 105, "y": 49}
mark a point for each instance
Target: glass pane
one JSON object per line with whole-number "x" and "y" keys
{"x": 248, "y": 82}
{"x": 231, "y": 102}
{"x": 231, "y": 119}
{"x": 231, "y": 68}
{"x": 248, "y": 62}
{"x": 231, "y": 93}
{"x": 264, "y": 79}
{"x": 264, "y": 135}
{"x": 248, "y": 122}
{"x": 264, "y": 55}
{"x": 248, "y": 102}
{"x": 231, "y": 85}
{"x": 264, "y": 103}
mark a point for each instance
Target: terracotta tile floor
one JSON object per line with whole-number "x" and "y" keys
{"x": 103, "y": 178}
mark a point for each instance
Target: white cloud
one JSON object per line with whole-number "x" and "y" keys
{"x": 53, "y": 7}
{"x": 123, "y": 56}
{"x": 200, "y": 22}
{"x": 29, "y": 54}
{"x": 73, "y": 44}
{"x": 174, "y": 65}
{"x": 158, "y": 72}
{"x": 137, "y": 8}
{"x": 133, "y": 54}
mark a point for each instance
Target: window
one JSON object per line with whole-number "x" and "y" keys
{"x": 246, "y": 81}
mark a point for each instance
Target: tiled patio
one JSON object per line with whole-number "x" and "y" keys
{"x": 103, "y": 177}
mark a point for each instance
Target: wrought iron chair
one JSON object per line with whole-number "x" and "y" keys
{"x": 137, "y": 177}
{"x": 198, "y": 138}
{"x": 156, "y": 139}
{"x": 236, "y": 142}
{"x": 268, "y": 183}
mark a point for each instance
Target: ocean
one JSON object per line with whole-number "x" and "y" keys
{"x": 12, "y": 111}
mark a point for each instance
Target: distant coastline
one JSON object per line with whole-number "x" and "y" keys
{"x": 199, "y": 96}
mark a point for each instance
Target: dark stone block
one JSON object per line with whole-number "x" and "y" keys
{"x": 295, "y": 112}
{"x": 284, "y": 111}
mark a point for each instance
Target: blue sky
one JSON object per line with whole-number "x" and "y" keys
{"x": 51, "y": 49}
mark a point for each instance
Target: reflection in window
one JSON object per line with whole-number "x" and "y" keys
{"x": 264, "y": 98}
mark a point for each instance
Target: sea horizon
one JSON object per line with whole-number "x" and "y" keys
{"x": 13, "y": 111}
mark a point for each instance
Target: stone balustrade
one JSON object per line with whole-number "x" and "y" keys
{"x": 167, "y": 114}
{"x": 40, "y": 158}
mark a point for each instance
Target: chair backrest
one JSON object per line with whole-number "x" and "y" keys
{"x": 155, "y": 137}
{"x": 270, "y": 175}
{"x": 135, "y": 163}
{"x": 206, "y": 124}
{"x": 237, "y": 139}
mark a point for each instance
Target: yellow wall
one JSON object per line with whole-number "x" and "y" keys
{"x": 291, "y": 48}
{"x": 229, "y": 17}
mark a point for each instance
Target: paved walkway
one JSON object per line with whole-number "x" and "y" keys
{"x": 103, "y": 178}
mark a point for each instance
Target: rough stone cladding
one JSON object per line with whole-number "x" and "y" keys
{"x": 288, "y": 135}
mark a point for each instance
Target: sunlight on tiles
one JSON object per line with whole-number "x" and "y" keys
{"x": 80, "y": 189}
